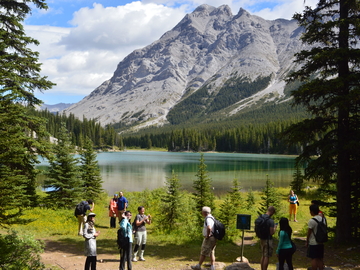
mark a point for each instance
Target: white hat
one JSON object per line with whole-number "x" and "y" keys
{"x": 91, "y": 215}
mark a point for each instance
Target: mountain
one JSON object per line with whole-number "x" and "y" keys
{"x": 211, "y": 63}
{"x": 56, "y": 107}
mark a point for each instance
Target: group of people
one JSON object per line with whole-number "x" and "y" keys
{"x": 284, "y": 251}
{"x": 134, "y": 232}
{"x": 286, "y": 248}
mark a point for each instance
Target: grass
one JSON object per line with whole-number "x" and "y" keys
{"x": 59, "y": 227}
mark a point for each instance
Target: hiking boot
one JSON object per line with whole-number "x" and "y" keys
{"x": 196, "y": 267}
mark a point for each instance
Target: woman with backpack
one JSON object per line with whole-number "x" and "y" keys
{"x": 294, "y": 202}
{"x": 90, "y": 235}
{"x": 285, "y": 249}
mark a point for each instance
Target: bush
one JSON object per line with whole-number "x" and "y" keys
{"x": 20, "y": 252}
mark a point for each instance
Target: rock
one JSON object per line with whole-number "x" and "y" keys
{"x": 244, "y": 260}
{"x": 348, "y": 265}
{"x": 239, "y": 266}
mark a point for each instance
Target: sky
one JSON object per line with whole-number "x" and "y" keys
{"x": 82, "y": 41}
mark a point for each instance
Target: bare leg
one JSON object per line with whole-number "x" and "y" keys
{"x": 264, "y": 263}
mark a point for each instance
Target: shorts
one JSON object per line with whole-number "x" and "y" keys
{"x": 208, "y": 246}
{"x": 292, "y": 208}
{"x": 315, "y": 251}
{"x": 266, "y": 247}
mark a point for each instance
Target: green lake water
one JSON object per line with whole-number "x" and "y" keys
{"x": 139, "y": 170}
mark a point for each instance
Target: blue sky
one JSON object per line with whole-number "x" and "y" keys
{"x": 82, "y": 41}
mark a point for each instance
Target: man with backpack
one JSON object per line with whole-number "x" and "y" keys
{"x": 209, "y": 242}
{"x": 316, "y": 236}
{"x": 265, "y": 228}
{"x": 80, "y": 213}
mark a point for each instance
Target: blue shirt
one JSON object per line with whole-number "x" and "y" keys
{"x": 284, "y": 241}
{"x": 126, "y": 226}
{"x": 121, "y": 203}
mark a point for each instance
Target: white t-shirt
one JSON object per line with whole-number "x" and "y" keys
{"x": 208, "y": 222}
{"x": 312, "y": 224}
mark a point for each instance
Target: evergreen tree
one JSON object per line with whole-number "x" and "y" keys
{"x": 270, "y": 197}
{"x": 297, "y": 184}
{"x": 231, "y": 205}
{"x": 203, "y": 194}
{"x": 63, "y": 183}
{"x": 171, "y": 203}
{"x": 332, "y": 98}
{"x": 19, "y": 146}
{"x": 250, "y": 199}
{"x": 90, "y": 172}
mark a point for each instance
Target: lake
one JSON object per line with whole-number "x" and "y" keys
{"x": 139, "y": 170}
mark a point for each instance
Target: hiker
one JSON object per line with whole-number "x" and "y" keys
{"x": 122, "y": 204}
{"x": 266, "y": 242}
{"x": 80, "y": 213}
{"x": 113, "y": 211}
{"x": 209, "y": 242}
{"x": 285, "y": 249}
{"x": 140, "y": 233}
{"x": 293, "y": 200}
{"x": 90, "y": 235}
{"x": 315, "y": 250}
{"x": 125, "y": 253}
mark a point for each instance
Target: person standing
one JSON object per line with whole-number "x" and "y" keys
{"x": 140, "y": 233}
{"x": 293, "y": 200}
{"x": 267, "y": 243}
{"x": 285, "y": 250}
{"x": 209, "y": 242}
{"x": 122, "y": 204}
{"x": 125, "y": 253}
{"x": 315, "y": 250}
{"x": 90, "y": 235}
{"x": 80, "y": 213}
{"x": 113, "y": 211}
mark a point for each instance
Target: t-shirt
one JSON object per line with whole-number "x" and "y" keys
{"x": 142, "y": 227}
{"x": 208, "y": 222}
{"x": 284, "y": 241}
{"x": 312, "y": 224}
{"x": 270, "y": 223}
{"x": 122, "y": 201}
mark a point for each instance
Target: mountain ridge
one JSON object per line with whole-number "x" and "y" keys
{"x": 206, "y": 49}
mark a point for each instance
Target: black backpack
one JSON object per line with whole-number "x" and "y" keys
{"x": 122, "y": 240}
{"x": 262, "y": 227}
{"x": 321, "y": 235}
{"x": 219, "y": 229}
{"x": 79, "y": 209}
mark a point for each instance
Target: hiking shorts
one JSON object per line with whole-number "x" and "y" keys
{"x": 292, "y": 208}
{"x": 266, "y": 247}
{"x": 208, "y": 246}
{"x": 315, "y": 251}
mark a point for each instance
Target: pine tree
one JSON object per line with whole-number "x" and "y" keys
{"x": 22, "y": 136}
{"x": 250, "y": 199}
{"x": 64, "y": 186}
{"x": 203, "y": 194}
{"x": 297, "y": 184}
{"x": 270, "y": 197}
{"x": 90, "y": 172}
{"x": 332, "y": 98}
{"x": 171, "y": 203}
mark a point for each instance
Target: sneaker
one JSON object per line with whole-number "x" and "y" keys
{"x": 141, "y": 259}
{"x": 135, "y": 260}
{"x": 196, "y": 267}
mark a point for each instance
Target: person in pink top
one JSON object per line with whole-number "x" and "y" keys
{"x": 113, "y": 211}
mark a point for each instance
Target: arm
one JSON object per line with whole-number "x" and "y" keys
{"x": 309, "y": 232}
{"x": 281, "y": 240}
{"x": 208, "y": 231}
{"x": 92, "y": 206}
{"x": 272, "y": 228}
{"x": 141, "y": 221}
{"x": 148, "y": 220}
{"x": 89, "y": 234}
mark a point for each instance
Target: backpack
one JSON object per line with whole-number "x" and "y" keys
{"x": 219, "y": 229}
{"x": 122, "y": 240}
{"x": 79, "y": 209}
{"x": 262, "y": 227}
{"x": 321, "y": 235}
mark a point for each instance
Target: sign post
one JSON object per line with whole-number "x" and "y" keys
{"x": 243, "y": 223}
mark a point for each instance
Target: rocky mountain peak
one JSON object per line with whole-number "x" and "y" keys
{"x": 207, "y": 49}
